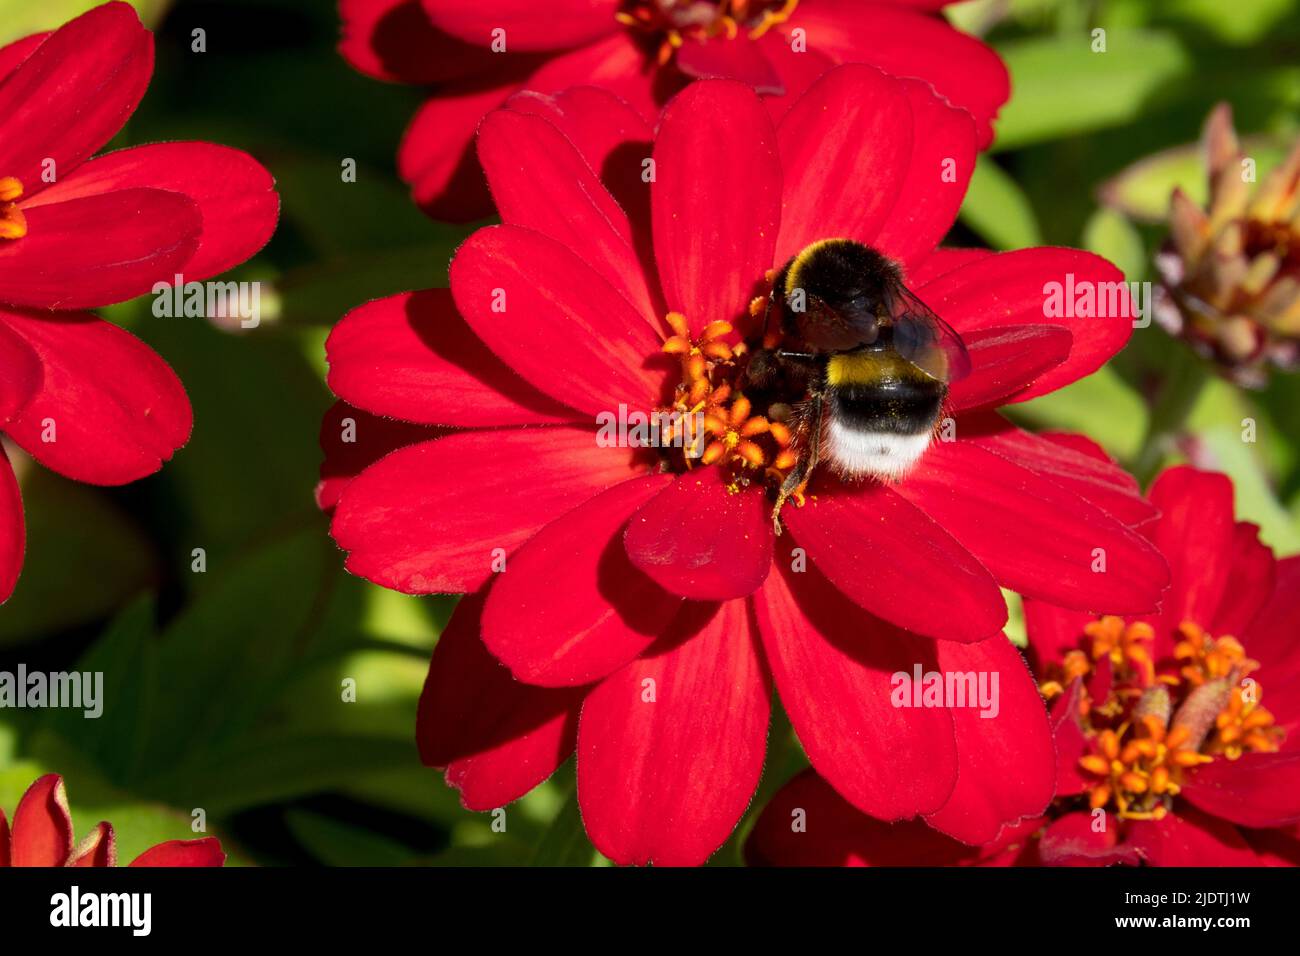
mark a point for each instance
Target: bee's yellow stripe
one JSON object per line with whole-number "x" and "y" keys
{"x": 856, "y": 368}
{"x": 870, "y": 368}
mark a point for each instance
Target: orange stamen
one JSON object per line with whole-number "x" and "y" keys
{"x": 13, "y": 224}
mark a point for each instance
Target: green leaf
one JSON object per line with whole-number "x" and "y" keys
{"x": 998, "y": 210}
{"x": 249, "y": 772}
{"x": 84, "y": 558}
{"x": 137, "y": 824}
{"x": 1255, "y": 498}
{"x": 19, "y": 18}
{"x": 565, "y": 841}
{"x": 342, "y": 219}
{"x": 239, "y": 700}
{"x": 115, "y": 740}
{"x": 336, "y": 843}
{"x": 257, "y": 402}
{"x": 1112, "y": 236}
{"x": 1061, "y": 87}
{"x": 1236, "y": 22}
{"x": 1101, "y": 406}
{"x": 1142, "y": 190}
{"x": 322, "y": 294}
{"x": 1218, "y": 423}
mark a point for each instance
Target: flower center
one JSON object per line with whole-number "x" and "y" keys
{"x": 752, "y": 445}
{"x": 13, "y": 224}
{"x": 1151, "y": 729}
{"x": 680, "y": 20}
{"x": 1279, "y": 239}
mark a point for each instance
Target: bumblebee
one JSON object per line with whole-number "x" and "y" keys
{"x": 862, "y": 364}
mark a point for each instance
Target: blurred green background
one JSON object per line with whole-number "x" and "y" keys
{"x": 224, "y": 688}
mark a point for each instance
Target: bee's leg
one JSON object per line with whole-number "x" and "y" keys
{"x": 807, "y": 461}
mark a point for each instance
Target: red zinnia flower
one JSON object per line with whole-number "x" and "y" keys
{"x": 43, "y": 836}
{"x": 637, "y": 594}
{"x": 642, "y": 50}
{"x": 81, "y": 396}
{"x": 1176, "y": 733}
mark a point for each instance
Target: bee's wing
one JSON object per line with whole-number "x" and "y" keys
{"x": 926, "y": 340}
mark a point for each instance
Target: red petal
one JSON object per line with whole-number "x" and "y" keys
{"x": 526, "y": 24}
{"x": 353, "y": 440}
{"x": 13, "y": 55}
{"x": 670, "y": 748}
{"x": 1080, "y": 443}
{"x": 412, "y": 357}
{"x": 99, "y": 250}
{"x": 1275, "y": 847}
{"x": 618, "y": 64}
{"x": 1005, "y": 360}
{"x": 72, "y": 95}
{"x": 1036, "y": 537}
{"x": 117, "y": 410}
{"x": 943, "y": 158}
{"x": 849, "y": 530}
{"x": 1084, "y": 470}
{"x": 235, "y": 195}
{"x": 906, "y": 43}
{"x": 1072, "y": 841}
{"x": 595, "y": 120}
{"x": 932, "y": 6}
{"x": 721, "y": 58}
{"x": 942, "y": 261}
{"x": 698, "y": 539}
{"x": 1010, "y": 288}
{"x": 434, "y": 517}
{"x": 1251, "y": 574}
{"x": 1071, "y": 742}
{"x": 845, "y": 147}
{"x": 394, "y": 40}
{"x": 609, "y": 612}
{"x": 1006, "y": 760}
{"x": 42, "y": 831}
{"x": 1195, "y": 533}
{"x": 614, "y": 140}
{"x": 204, "y": 852}
{"x": 437, "y": 156}
{"x": 1189, "y": 838}
{"x": 1052, "y": 631}
{"x": 795, "y": 71}
{"x": 497, "y": 738}
{"x": 1255, "y": 790}
{"x": 20, "y": 373}
{"x": 833, "y": 666}
{"x": 518, "y": 152}
{"x": 1271, "y": 641}
{"x": 97, "y": 849}
{"x": 4, "y": 841}
{"x": 13, "y": 530}
{"x": 808, "y": 824}
{"x": 715, "y": 200}
{"x": 551, "y": 317}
